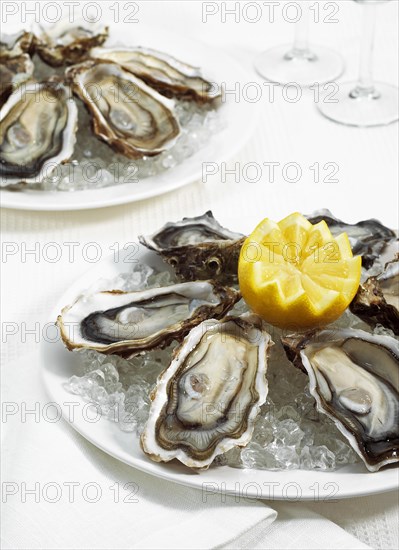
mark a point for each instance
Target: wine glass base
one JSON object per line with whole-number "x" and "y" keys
{"x": 277, "y": 65}
{"x": 363, "y": 111}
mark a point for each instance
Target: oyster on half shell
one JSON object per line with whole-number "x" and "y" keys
{"x": 354, "y": 378}
{"x": 198, "y": 248}
{"x": 206, "y": 402}
{"x": 377, "y": 300}
{"x": 161, "y": 71}
{"x": 65, "y": 44}
{"x": 368, "y": 238}
{"x": 127, "y": 114}
{"x": 127, "y": 323}
{"x": 38, "y": 132}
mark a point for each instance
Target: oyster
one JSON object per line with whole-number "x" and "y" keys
{"x": 377, "y": 300}
{"x": 38, "y": 127}
{"x": 207, "y": 400}
{"x": 368, "y": 238}
{"x": 63, "y": 44}
{"x": 130, "y": 116}
{"x": 198, "y": 248}
{"x": 161, "y": 71}
{"x": 354, "y": 378}
{"x": 16, "y": 66}
{"x": 126, "y": 323}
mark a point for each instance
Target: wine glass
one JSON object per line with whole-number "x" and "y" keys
{"x": 365, "y": 102}
{"x": 300, "y": 63}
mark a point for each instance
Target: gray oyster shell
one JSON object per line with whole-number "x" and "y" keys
{"x": 206, "y": 402}
{"x": 126, "y": 113}
{"x": 368, "y": 238}
{"x": 161, "y": 71}
{"x": 16, "y": 65}
{"x": 377, "y": 300}
{"x": 14, "y": 45}
{"x": 65, "y": 44}
{"x": 38, "y": 132}
{"x": 354, "y": 378}
{"x": 14, "y": 71}
{"x": 127, "y": 323}
{"x": 198, "y": 248}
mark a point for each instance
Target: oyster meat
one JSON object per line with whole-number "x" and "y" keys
{"x": 207, "y": 400}
{"x": 63, "y": 44}
{"x": 368, "y": 238}
{"x": 377, "y": 300}
{"x": 354, "y": 378}
{"x": 198, "y": 248}
{"x": 127, "y": 323}
{"x": 161, "y": 71}
{"x": 127, "y": 114}
{"x": 38, "y": 132}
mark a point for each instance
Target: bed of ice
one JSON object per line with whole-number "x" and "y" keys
{"x": 95, "y": 165}
{"x": 289, "y": 432}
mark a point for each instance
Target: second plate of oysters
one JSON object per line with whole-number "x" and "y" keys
{"x": 183, "y": 371}
{"x": 92, "y": 117}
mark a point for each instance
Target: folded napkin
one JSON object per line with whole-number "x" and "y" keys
{"x": 61, "y": 492}
{"x": 148, "y": 513}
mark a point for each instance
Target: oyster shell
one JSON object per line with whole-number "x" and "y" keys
{"x": 198, "y": 248}
{"x": 14, "y": 71}
{"x": 64, "y": 44}
{"x": 368, "y": 238}
{"x": 127, "y": 114}
{"x": 354, "y": 378}
{"x": 16, "y": 66}
{"x": 127, "y": 323}
{"x": 207, "y": 400}
{"x": 377, "y": 300}
{"x": 14, "y": 45}
{"x": 161, "y": 71}
{"x": 38, "y": 127}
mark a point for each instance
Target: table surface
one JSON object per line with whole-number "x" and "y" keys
{"x": 366, "y": 186}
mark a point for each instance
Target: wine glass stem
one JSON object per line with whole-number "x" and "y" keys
{"x": 365, "y": 85}
{"x": 300, "y": 48}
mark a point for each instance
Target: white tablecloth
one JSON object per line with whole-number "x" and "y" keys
{"x": 287, "y": 132}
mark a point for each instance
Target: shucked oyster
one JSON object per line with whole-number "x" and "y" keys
{"x": 126, "y": 323}
{"x": 63, "y": 44}
{"x": 161, "y": 71}
{"x": 368, "y": 238}
{"x": 38, "y": 127}
{"x": 198, "y": 248}
{"x": 207, "y": 400}
{"x": 127, "y": 114}
{"x": 377, "y": 300}
{"x": 354, "y": 378}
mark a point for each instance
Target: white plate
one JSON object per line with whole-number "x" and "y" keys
{"x": 58, "y": 365}
{"x": 239, "y": 119}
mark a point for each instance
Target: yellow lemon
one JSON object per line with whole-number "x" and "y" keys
{"x": 297, "y": 275}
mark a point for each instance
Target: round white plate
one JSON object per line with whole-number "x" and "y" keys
{"x": 238, "y": 117}
{"x": 58, "y": 365}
